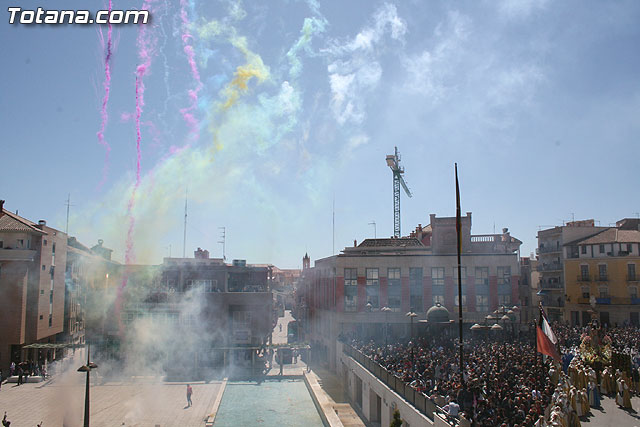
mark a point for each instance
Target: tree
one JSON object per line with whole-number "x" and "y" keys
{"x": 397, "y": 421}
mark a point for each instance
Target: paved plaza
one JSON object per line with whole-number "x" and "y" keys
{"x": 137, "y": 403}
{"x": 612, "y": 415}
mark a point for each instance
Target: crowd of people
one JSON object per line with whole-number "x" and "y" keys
{"x": 504, "y": 384}
{"x": 509, "y": 383}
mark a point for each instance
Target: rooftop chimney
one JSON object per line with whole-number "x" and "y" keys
{"x": 1, "y": 206}
{"x": 355, "y": 243}
{"x": 42, "y": 223}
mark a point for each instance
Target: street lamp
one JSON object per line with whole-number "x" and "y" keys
{"x": 496, "y": 327}
{"x": 87, "y": 368}
{"x": 411, "y": 315}
{"x": 386, "y": 311}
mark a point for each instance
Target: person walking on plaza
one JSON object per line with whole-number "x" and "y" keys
{"x": 19, "y": 375}
{"x": 5, "y": 421}
{"x": 280, "y": 360}
{"x": 189, "y": 393}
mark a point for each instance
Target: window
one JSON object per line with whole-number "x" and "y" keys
{"x": 350, "y": 289}
{"x": 603, "y": 291}
{"x": 602, "y": 271}
{"x": 437, "y": 285}
{"x": 394, "y": 287}
{"x": 629, "y": 247}
{"x": 586, "y": 293}
{"x": 1, "y": 244}
{"x": 350, "y": 277}
{"x": 482, "y": 303}
{"x": 373, "y": 286}
{"x": 583, "y": 249}
{"x": 50, "y": 320}
{"x": 482, "y": 276}
{"x": 601, "y": 248}
{"x": 437, "y": 276}
{"x": 53, "y": 249}
{"x": 631, "y": 271}
{"x": 20, "y": 243}
{"x": 633, "y": 292}
{"x": 44, "y": 267}
{"x": 464, "y": 275}
{"x": 504, "y": 300}
{"x": 415, "y": 289}
{"x": 504, "y": 280}
{"x": 41, "y": 291}
{"x": 44, "y": 242}
{"x": 584, "y": 272}
{"x": 41, "y": 317}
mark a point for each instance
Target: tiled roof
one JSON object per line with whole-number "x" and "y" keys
{"x": 12, "y": 222}
{"x": 402, "y": 242}
{"x": 612, "y": 235}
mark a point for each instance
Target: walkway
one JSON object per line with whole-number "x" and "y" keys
{"x": 112, "y": 404}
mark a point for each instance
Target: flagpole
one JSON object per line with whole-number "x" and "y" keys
{"x": 459, "y": 247}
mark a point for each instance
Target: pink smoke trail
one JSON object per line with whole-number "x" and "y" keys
{"x": 187, "y": 112}
{"x": 145, "y": 52}
{"x": 105, "y": 100}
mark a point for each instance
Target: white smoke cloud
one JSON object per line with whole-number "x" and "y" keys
{"x": 354, "y": 66}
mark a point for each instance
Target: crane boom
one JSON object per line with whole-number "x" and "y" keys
{"x": 393, "y": 161}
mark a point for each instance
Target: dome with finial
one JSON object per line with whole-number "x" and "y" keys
{"x": 438, "y": 314}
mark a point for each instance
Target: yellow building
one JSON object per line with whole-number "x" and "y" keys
{"x": 601, "y": 276}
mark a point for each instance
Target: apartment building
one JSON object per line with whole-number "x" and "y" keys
{"x": 602, "y": 276}
{"x": 551, "y": 258}
{"x": 346, "y": 293}
{"x": 32, "y": 286}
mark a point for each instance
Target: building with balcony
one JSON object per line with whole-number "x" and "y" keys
{"x": 345, "y": 293}
{"x": 551, "y": 257}
{"x": 602, "y": 277}
{"x": 32, "y": 286}
{"x": 227, "y": 309}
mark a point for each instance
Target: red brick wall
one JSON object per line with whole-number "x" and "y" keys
{"x": 449, "y": 293}
{"x": 493, "y": 293}
{"x": 339, "y": 294}
{"x": 515, "y": 295}
{"x": 427, "y": 297}
{"x": 471, "y": 293}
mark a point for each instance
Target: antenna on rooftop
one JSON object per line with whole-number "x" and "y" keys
{"x": 68, "y": 204}
{"x": 223, "y": 236}
{"x": 375, "y": 232}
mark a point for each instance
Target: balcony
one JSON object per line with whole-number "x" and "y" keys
{"x": 602, "y": 278}
{"x": 554, "y": 266}
{"x": 611, "y": 301}
{"x": 8, "y": 254}
{"x": 547, "y": 285}
{"x": 583, "y": 278}
{"x": 549, "y": 250}
{"x": 633, "y": 278}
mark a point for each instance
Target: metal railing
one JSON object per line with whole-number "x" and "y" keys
{"x": 418, "y": 400}
{"x": 554, "y": 266}
{"x": 583, "y": 278}
{"x": 547, "y": 285}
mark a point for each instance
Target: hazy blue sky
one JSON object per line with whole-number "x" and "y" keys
{"x": 537, "y": 101}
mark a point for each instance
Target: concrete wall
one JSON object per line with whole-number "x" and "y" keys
{"x": 364, "y": 389}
